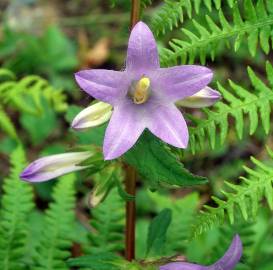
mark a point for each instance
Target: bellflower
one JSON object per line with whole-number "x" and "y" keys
{"x": 227, "y": 262}
{"x": 50, "y": 167}
{"x": 144, "y": 95}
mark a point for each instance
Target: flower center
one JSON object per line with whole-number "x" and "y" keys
{"x": 141, "y": 90}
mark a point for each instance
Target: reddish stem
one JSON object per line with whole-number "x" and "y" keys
{"x": 130, "y": 181}
{"x": 135, "y": 12}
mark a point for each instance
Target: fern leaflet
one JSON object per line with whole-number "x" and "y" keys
{"x": 15, "y": 207}
{"x": 171, "y": 13}
{"x": 26, "y": 95}
{"x": 255, "y": 24}
{"x": 237, "y": 104}
{"x": 57, "y": 237}
{"x": 108, "y": 220}
{"x": 256, "y": 185}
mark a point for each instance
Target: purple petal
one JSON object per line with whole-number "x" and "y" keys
{"x": 204, "y": 98}
{"x": 178, "y": 82}
{"x": 142, "y": 54}
{"x": 182, "y": 266}
{"x": 168, "y": 124}
{"x": 50, "y": 167}
{"x": 231, "y": 257}
{"x": 105, "y": 85}
{"x": 123, "y": 131}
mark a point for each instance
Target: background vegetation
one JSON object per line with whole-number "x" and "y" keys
{"x": 42, "y": 43}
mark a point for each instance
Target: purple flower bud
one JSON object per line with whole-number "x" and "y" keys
{"x": 50, "y": 167}
{"x": 227, "y": 262}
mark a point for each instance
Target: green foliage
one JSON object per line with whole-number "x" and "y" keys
{"x": 49, "y": 55}
{"x": 107, "y": 222}
{"x": 244, "y": 197}
{"x": 27, "y": 96}
{"x": 172, "y": 12}
{"x": 100, "y": 261}
{"x": 158, "y": 164}
{"x": 16, "y": 205}
{"x": 56, "y": 239}
{"x": 254, "y": 26}
{"x": 145, "y": 3}
{"x": 237, "y": 104}
{"x": 157, "y": 232}
{"x": 183, "y": 213}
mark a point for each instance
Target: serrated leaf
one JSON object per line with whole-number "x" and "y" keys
{"x": 156, "y": 163}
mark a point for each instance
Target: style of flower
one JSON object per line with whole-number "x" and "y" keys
{"x": 50, "y": 167}
{"x": 144, "y": 95}
{"x": 227, "y": 262}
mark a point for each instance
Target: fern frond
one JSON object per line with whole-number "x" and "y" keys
{"x": 18, "y": 93}
{"x": 56, "y": 239}
{"x": 16, "y": 204}
{"x": 6, "y": 125}
{"x": 246, "y": 196}
{"x": 108, "y": 220}
{"x": 237, "y": 104}
{"x": 171, "y": 13}
{"x": 252, "y": 27}
{"x": 26, "y": 95}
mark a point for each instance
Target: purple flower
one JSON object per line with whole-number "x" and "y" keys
{"x": 50, "y": 167}
{"x": 144, "y": 95}
{"x": 227, "y": 262}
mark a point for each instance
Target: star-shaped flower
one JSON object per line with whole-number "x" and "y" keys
{"x": 144, "y": 95}
{"x": 227, "y": 262}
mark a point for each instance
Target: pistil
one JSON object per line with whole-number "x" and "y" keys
{"x": 141, "y": 91}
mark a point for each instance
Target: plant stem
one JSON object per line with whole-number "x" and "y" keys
{"x": 130, "y": 182}
{"x": 130, "y": 185}
{"x": 135, "y": 12}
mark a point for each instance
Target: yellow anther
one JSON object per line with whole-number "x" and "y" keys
{"x": 141, "y": 91}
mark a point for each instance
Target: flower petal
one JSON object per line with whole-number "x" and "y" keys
{"x": 168, "y": 124}
{"x": 231, "y": 257}
{"x": 204, "y": 98}
{"x": 182, "y": 266}
{"x": 123, "y": 130}
{"x": 105, "y": 85}
{"x": 92, "y": 116}
{"x": 142, "y": 54}
{"x": 178, "y": 82}
{"x": 50, "y": 167}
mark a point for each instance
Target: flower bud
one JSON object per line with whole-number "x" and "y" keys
{"x": 204, "y": 98}
{"x": 50, "y": 167}
{"x": 92, "y": 116}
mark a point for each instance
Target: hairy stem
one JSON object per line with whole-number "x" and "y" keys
{"x": 130, "y": 181}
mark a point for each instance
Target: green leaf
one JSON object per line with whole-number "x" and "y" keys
{"x": 157, "y": 232}
{"x": 157, "y": 164}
